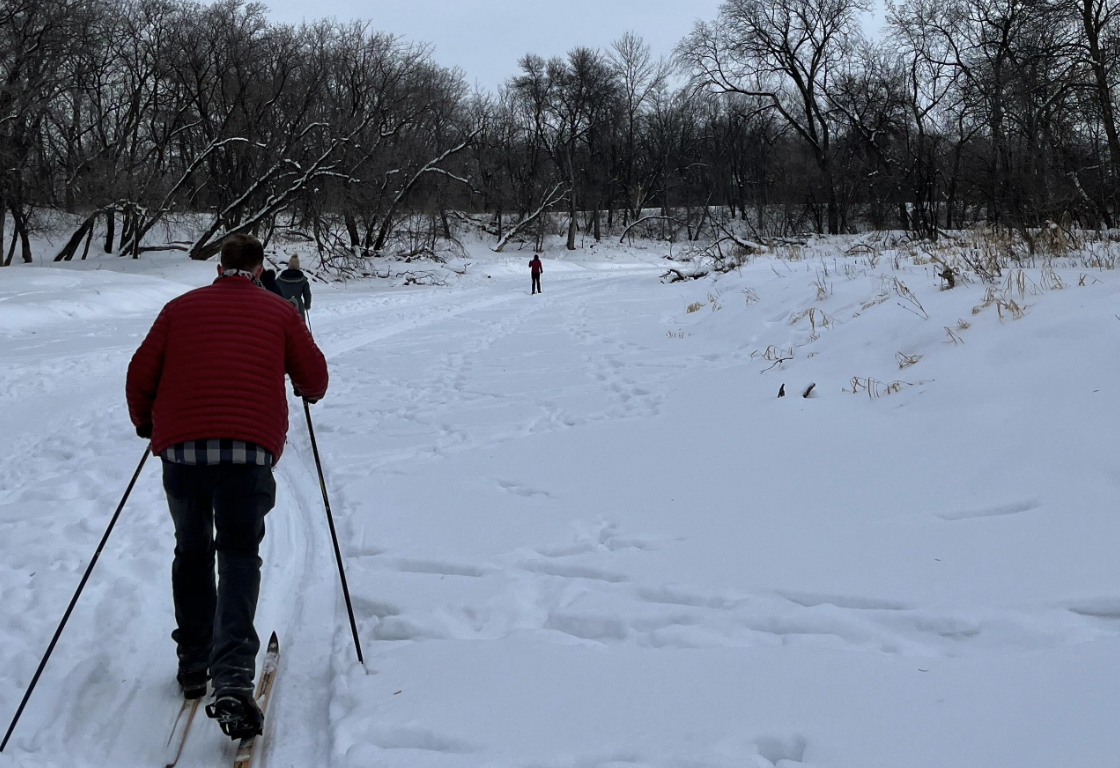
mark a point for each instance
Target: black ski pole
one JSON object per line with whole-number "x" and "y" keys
{"x": 334, "y": 536}
{"x": 73, "y": 601}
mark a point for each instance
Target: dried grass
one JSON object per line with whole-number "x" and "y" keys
{"x": 817, "y": 318}
{"x": 875, "y": 301}
{"x": 774, "y": 353}
{"x": 1058, "y": 240}
{"x": 875, "y": 388}
{"x": 863, "y": 249}
{"x": 954, "y": 339}
{"x": 824, "y": 288}
{"x": 905, "y": 293}
{"x": 788, "y": 251}
{"x": 1099, "y": 255}
{"x": 905, "y": 361}
{"x": 989, "y": 252}
{"x": 1018, "y": 281}
{"x": 1011, "y": 307}
{"x": 990, "y": 297}
{"x": 1051, "y": 280}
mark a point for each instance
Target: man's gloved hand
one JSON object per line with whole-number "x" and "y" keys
{"x": 144, "y": 431}
{"x": 295, "y": 391}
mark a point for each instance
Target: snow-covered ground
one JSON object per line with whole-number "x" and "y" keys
{"x": 581, "y": 529}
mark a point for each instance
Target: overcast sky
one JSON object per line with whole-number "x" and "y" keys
{"x": 485, "y": 39}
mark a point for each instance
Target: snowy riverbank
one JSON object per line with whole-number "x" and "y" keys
{"x": 581, "y": 529}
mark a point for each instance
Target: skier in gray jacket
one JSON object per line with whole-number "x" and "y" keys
{"x": 294, "y": 286}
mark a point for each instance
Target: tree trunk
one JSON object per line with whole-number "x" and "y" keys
{"x": 445, "y": 223}
{"x": 71, "y": 247}
{"x": 110, "y": 229}
{"x": 571, "y": 245}
{"x": 704, "y": 213}
{"x": 11, "y": 248}
{"x": 383, "y": 233}
{"x": 19, "y": 231}
{"x": 127, "y": 225}
{"x": 537, "y": 216}
{"x": 205, "y": 252}
{"x": 351, "y": 229}
{"x": 1099, "y": 65}
{"x": 317, "y": 230}
{"x": 89, "y": 238}
{"x": 25, "y": 244}
{"x": 269, "y": 232}
{"x": 205, "y": 247}
{"x": 832, "y": 205}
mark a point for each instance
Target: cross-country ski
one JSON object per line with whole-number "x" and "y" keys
{"x": 248, "y": 744}
{"x": 173, "y": 750}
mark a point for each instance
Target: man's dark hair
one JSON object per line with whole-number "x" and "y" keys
{"x": 243, "y": 252}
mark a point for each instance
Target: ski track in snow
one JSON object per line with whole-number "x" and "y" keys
{"x": 446, "y": 438}
{"x": 58, "y": 497}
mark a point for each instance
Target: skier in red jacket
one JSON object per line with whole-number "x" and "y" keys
{"x": 535, "y": 267}
{"x": 206, "y": 387}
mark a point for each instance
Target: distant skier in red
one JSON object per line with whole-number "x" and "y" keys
{"x": 536, "y": 268}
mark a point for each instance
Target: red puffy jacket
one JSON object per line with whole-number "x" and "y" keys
{"x": 213, "y": 366}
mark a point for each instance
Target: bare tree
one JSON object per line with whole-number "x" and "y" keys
{"x": 129, "y": 114}
{"x": 785, "y": 52}
{"x": 639, "y": 78}
{"x": 568, "y": 99}
{"x": 36, "y": 39}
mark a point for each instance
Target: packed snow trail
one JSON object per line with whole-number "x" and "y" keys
{"x": 66, "y": 379}
{"x": 581, "y": 534}
{"x": 581, "y": 530}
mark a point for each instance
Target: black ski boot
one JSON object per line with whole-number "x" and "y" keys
{"x": 237, "y": 714}
{"x": 193, "y": 684}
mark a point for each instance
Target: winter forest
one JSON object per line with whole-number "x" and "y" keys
{"x": 741, "y": 399}
{"x": 777, "y": 117}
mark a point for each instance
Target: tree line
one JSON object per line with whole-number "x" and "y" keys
{"x": 777, "y": 117}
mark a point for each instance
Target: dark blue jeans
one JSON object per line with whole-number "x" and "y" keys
{"x": 214, "y": 618}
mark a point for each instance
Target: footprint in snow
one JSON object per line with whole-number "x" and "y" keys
{"x": 995, "y": 510}
{"x": 572, "y": 571}
{"x": 441, "y": 568}
{"x": 778, "y": 749}
{"x": 522, "y": 490}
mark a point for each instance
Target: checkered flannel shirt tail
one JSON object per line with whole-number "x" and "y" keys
{"x": 217, "y": 451}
